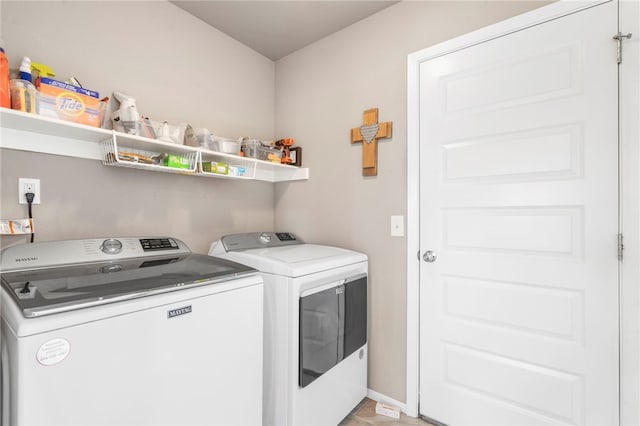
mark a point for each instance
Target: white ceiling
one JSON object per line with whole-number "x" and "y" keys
{"x": 278, "y": 28}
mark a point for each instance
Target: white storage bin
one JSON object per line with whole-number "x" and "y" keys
{"x": 226, "y": 145}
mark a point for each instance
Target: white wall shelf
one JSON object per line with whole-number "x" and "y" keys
{"x": 30, "y": 132}
{"x": 256, "y": 169}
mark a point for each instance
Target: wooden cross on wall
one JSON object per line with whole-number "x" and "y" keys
{"x": 368, "y": 134}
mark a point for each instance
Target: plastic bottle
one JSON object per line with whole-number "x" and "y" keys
{"x": 5, "y": 100}
{"x": 25, "y": 69}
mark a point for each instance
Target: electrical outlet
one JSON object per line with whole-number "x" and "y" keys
{"x": 26, "y": 185}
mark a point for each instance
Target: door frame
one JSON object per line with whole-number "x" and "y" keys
{"x": 629, "y": 198}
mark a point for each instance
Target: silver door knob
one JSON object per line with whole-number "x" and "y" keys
{"x": 429, "y": 256}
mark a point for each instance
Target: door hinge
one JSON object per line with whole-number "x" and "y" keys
{"x": 618, "y": 38}
{"x": 620, "y": 247}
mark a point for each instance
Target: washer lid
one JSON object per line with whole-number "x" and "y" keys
{"x": 52, "y": 290}
{"x": 296, "y": 260}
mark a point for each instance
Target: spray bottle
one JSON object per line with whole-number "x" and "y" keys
{"x": 40, "y": 70}
{"x": 23, "y": 92}
{"x": 5, "y": 99}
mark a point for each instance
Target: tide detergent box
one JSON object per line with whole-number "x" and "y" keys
{"x": 70, "y": 103}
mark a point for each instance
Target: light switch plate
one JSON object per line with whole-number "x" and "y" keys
{"x": 397, "y": 226}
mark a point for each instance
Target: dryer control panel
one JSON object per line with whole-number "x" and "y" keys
{"x": 253, "y": 240}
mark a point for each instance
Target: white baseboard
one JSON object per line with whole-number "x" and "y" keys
{"x": 376, "y": 396}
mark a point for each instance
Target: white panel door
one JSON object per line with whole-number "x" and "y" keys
{"x": 519, "y": 202}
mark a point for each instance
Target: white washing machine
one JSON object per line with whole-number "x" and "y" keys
{"x": 315, "y": 325}
{"x": 129, "y": 331}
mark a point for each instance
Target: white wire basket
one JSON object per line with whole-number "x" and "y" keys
{"x": 146, "y": 154}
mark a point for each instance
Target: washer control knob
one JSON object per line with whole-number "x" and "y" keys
{"x": 111, "y": 246}
{"x": 265, "y": 238}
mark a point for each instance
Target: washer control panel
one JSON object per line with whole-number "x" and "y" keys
{"x": 235, "y": 242}
{"x": 72, "y": 252}
{"x": 153, "y": 244}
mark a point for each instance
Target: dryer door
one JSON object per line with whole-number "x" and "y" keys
{"x": 333, "y": 325}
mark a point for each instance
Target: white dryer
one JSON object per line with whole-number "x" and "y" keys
{"x": 315, "y": 325}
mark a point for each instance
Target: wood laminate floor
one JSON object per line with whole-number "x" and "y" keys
{"x": 365, "y": 414}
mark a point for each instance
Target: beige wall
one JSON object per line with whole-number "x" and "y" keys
{"x": 83, "y": 199}
{"x": 321, "y": 92}
{"x": 179, "y": 69}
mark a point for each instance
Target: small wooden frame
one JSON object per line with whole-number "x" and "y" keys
{"x": 368, "y": 134}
